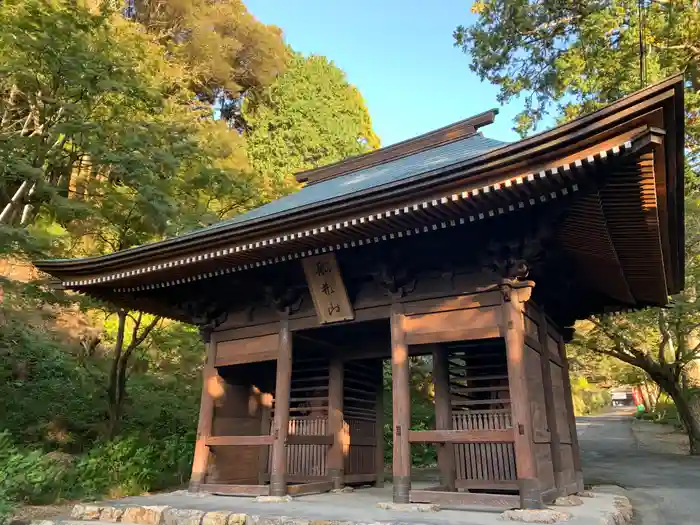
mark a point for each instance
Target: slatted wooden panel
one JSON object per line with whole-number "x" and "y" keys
{"x": 307, "y": 460}
{"x": 533, "y": 367}
{"x": 560, "y": 403}
{"x": 484, "y": 461}
{"x": 361, "y": 381}
{"x": 567, "y": 460}
{"x": 545, "y": 470}
{"x": 308, "y": 417}
{"x": 481, "y": 401}
{"x": 361, "y": 453}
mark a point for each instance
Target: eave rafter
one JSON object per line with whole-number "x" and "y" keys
{"x": 462, "y": 206}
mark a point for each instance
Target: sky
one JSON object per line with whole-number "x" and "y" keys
{"x": 400, "y": 55}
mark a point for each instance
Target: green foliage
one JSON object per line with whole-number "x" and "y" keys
{"x": 110, "y": 138}
{"x": 422, "y": 411}
{"x": 130, "y": 465}
{"x": 26, "y": 476}
{"x": 588, "y": 398}
{"x": 572, "y": 57}
{"x": 310, "y": 116}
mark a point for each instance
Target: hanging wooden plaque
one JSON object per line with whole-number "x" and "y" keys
{"x": 327, "y": 288}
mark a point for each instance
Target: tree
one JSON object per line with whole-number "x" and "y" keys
{"x": 310, "y": 116}
{"x": 571, "y": 57}
{"x": 230, "y": 54}
{"x": 104, "y": 147}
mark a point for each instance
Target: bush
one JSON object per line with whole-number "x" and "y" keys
{"x": 130, "y": 465}
{"x": 27, "y": 476}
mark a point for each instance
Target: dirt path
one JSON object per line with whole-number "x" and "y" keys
{"x": 663, "y": 485}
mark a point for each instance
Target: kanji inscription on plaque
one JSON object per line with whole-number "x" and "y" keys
{"x": 327, "y": 288}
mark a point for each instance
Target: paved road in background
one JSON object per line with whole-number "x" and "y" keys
{"x": 664, "y": 488}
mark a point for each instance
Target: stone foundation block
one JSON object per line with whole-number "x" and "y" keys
{"x": 182, "y": 517}
{"x": 216, "y": 518}
{"x": 409, "y": 507}
{"x": 274, "y": 499}
{"x": 569, "y": 501}
{"x": 147, "y": 515}
{"x": 535, "y": 516}
{"x": 86, "y": 512}
{"x": 112, "y": 514}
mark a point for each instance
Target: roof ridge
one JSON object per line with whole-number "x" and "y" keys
{"x": 450, "y": 133}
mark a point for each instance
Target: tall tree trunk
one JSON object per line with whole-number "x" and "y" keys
{"x": 113, "y": 402}
{"x": 690, "y": 419}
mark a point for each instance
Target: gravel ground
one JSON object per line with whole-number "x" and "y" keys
{"x": 660, "y": 439}
{"x": 664, "y": 486}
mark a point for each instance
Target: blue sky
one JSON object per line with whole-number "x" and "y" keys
{"x": 400, "y": 54}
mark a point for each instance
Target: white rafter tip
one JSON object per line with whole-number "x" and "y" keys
{"x": 531, "y": 177}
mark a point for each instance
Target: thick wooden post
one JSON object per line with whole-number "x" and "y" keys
{"x": 550, "y": 407}
{"x": 336, "y": 420}
{"x": 443, "y": 416}
{"x": 206, "y": 416}
{"x": 379, "y": 428}
{"x": 278, "y": 469}
{"x": 264, "y": 457}
{"x": 401, "y": 395}
{"x": 515, "y": 297}
{"x": 570, "y": 416}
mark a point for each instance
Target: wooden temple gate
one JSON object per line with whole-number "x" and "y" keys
{"x": 479, "y": 254}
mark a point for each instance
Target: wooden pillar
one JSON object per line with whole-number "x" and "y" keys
{"x": 206, "y": 416}
{"x": 443, "y": 416}
{"x": 264, "y": 457}
{"x": 550, "y": 407}
{"x": 379, "y": 428}
{"x": 570, "y": 417}
{"x": 278, "y": 468}
{"x": 336, "y": 458}
{"x": 401, "y": 395}
{"x": 515, "y": 296}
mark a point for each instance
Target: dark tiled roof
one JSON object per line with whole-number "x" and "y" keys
{"x": 373, "y": 177}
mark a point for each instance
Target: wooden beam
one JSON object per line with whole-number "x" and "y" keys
{"x": 402, "y": 406}
{"x": 462, "y": 436}
{"x": 278, "y": 483}
{"x": 487, "y": 484}
{"x": 359, "y": 478}
{"x": 213, "y": 441}
{"x": 297, "y": 439}
{"x": 236, "y": 490}
{"x": 443, "y": 416}
{"x": 514, "y": 333}
{"x": 310, "y": 488}
{"x": 264, "y": 453}
{"x": 550, "y": 407}
{"x": 206, "y": 417}
{"x": 335, "y": 458}
{"x": 455, "y": 334}
{"x": 458, "y": 499}
{"x": 571, "y": 417}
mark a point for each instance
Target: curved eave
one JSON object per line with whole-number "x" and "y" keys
{"x": 605, "y": 123}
